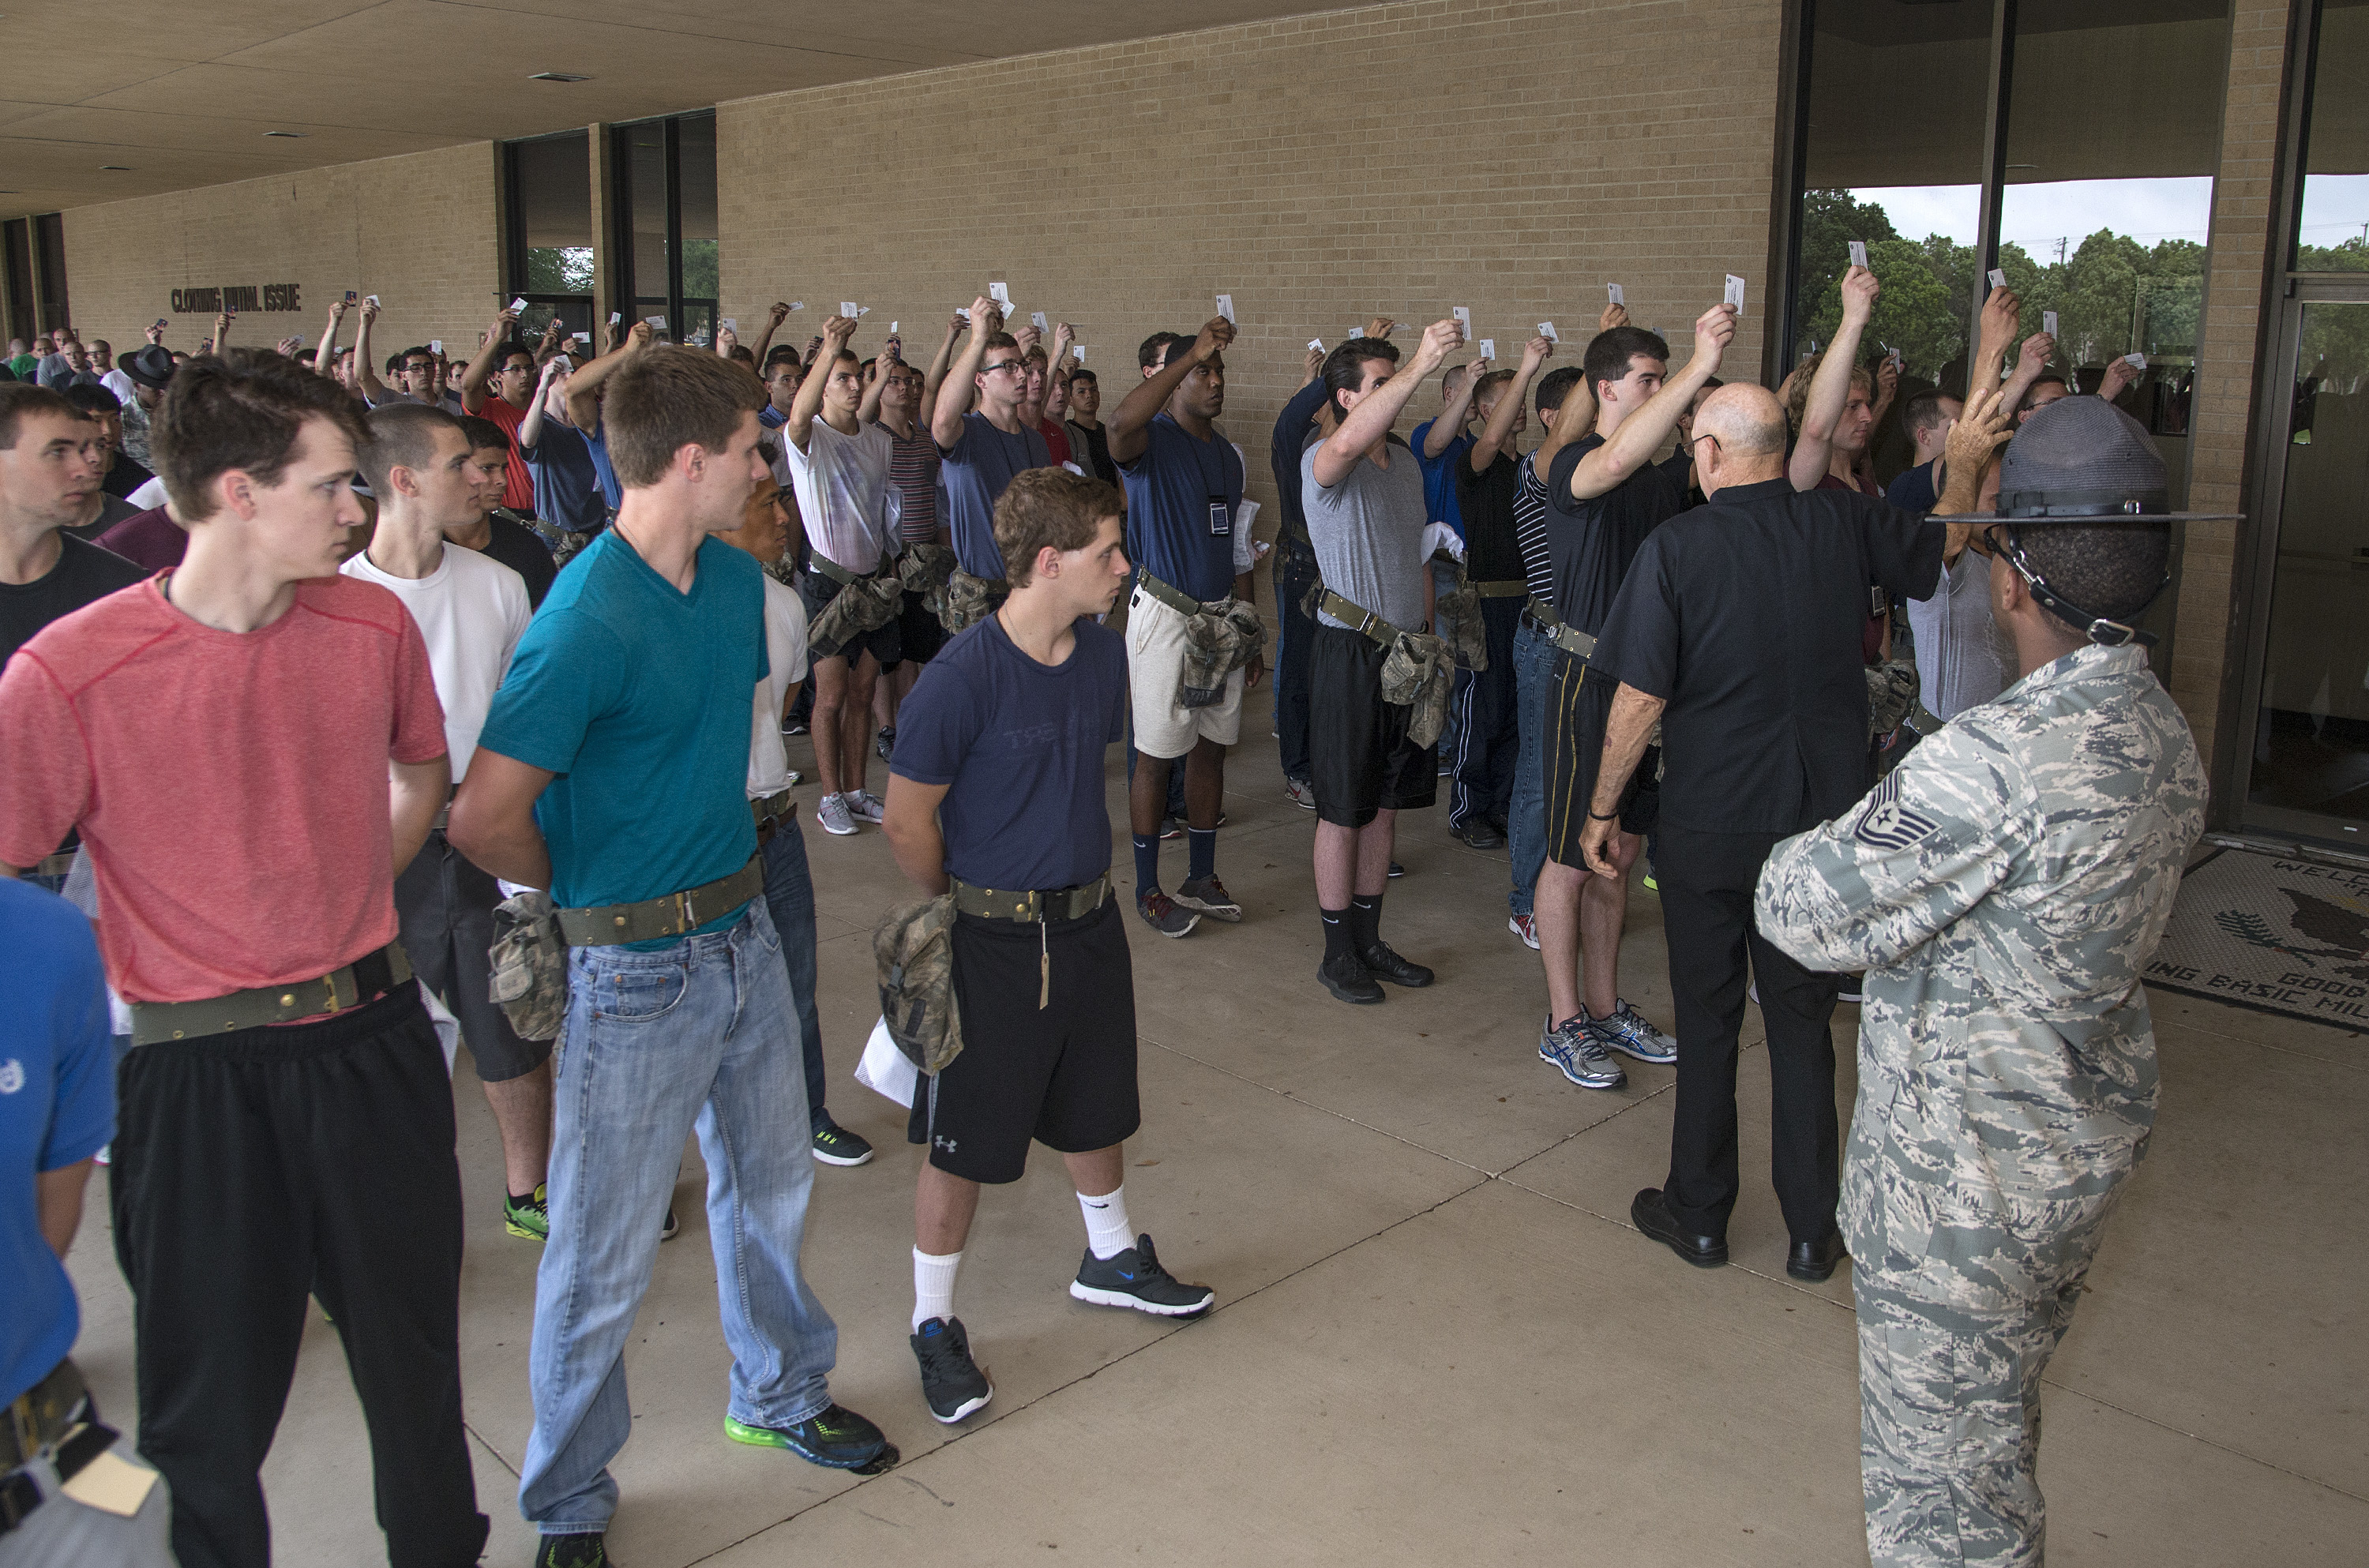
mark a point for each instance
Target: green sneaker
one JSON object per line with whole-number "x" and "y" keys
{"x": 1652, "y": 884}
{"x": 528, "y": 1218}
{"x": 834, "y": 1145}
{"x": 836, "y": 1438}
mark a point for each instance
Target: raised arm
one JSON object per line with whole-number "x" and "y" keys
{"x": 2032, "y": 358}
{"x": 773, "y": 319}
{"x": 799, "y": 427}
{"x": 365, "y": 371}
{"x": 1813, "y": 449}
{"x": 935, "y": 373}
{"x": 961, "y": 382}
{"x": 1371, "y": 419}
{"x": 1641, "y": 435}
{"x": 530, "y": 430}
{"x": 1499, "y": 430}
{"x": 583, "y": 407}
{"x": 1131, "y": 421}
{"x": 2000, "y": 313}
{"x": 1444, "y": 430}
{"x": 867, "y": 411}
{"x": 481, "y": 369}
{"x": 325, "y": 358}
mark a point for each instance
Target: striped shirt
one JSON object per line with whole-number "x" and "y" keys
{"x": 913, "y": 470}
{"x": 1531, "y": 533}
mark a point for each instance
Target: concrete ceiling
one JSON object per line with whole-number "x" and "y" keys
{"x": 183, "y": 95}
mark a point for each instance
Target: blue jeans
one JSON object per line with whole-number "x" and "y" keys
{"x": 655, "y": 1042}
{"x": 1525, "y": 819}
{"x": 789, "y": 899}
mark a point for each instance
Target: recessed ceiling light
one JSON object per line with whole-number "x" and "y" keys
{"x": 115, "y": 168}
{"x": 299, "y": 135}
{"x": 558, "y": 77}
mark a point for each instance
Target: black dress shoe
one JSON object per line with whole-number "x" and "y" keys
{"x": 1346, "y": 978}
{"x": 1385, "y": 965}
{"x": 1651, "y": 1213}
{"x": 1815, "y": 1260}
{"x": 1479, "y": 836}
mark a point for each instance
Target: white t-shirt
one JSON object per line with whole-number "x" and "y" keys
{"x": 471, "y": 611}
{"x": 843, "y": 485}
{"x": 786, "y": 655}
{"x": 120, "y": 384}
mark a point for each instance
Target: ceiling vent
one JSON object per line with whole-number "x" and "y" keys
{"x": 558, "y": 77}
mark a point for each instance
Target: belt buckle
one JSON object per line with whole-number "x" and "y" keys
{"x": 682, "y": 912}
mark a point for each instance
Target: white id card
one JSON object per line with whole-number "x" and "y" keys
{"x": 1612, "y": 293}
{"x": 731, "y": 326}
{"x": 1858, "y": 253}
{"x": 850, "y": 309}
{"x": 1316, "y": 343}
{"x": 1735, "y": 293}
{"x": 2136, "y": 361}
{"x": 892, "y": 329}
{"x": 1078, "y": 352}
{"x": 1489, "y": 349}
{"x": 1226, "y": 309}
{"x": 1547, "y": 331}
{"x": 519, "y": 303}
{"x": 2048, "y": 322}
{"x": 436, "y": 347}
{"x": 658, "y": 322}
{"x": 1001, "y": 294}
{"x": 1463, "y": 319}
{"x": 1036, "y": 319}
{"x": 372, "y": 301}
{"x": 615, "y": 316}
{"x": 1998, "y": 278}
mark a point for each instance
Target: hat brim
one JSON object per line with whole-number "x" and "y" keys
{"x": 2100, "y": 517}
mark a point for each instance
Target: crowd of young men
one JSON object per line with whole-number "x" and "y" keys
{"x": 542, "y": 599}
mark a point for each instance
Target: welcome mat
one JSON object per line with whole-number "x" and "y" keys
{"x": 2276, "y": 935}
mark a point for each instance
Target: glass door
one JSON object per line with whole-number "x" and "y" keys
{"x": 2307, "y": 771}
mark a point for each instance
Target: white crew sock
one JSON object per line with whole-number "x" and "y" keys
{"x": 1107, "y": 1230}
{"x": 933, "y": 1286}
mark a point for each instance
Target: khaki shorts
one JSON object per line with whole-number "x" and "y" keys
{"x": 1155, "y": 662}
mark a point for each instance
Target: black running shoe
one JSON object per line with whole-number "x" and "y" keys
{"x": 951, "y": 1380}
{"x": 1397, "y": 870}
{"x": 573, "y": 1552}
{"x": 837, "y": 1438}
{"x": 1135, "y": 1278}
{"x": 1384, "y": 963}
{"x": 884, "y": 742}
{"x": 1346, "y": 978}
{"x": 1208, "y": 895}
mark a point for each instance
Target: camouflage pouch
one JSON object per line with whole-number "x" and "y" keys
{"x": 1891, "y": 690}
{"x": 1417, "y": 673}
{"x": 1217, "y": 641}
{"x": 1457, "y": 613}
{"x": 970, "y": 600}
{"x": 865, "y": 605}
{"x": 914, "y": 947}
{"x": 530, "y": 965}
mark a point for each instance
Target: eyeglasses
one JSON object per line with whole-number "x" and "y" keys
{"x": 1016, "y": 366}
{"x": 1691, "y": 441}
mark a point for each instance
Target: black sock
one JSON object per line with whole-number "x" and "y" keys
{"x": 1336, "y": 935}
{"x": 1365, "y": 920}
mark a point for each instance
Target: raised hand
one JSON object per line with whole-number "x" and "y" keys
{"x": 1613, "y": 316}
{"x": 1380, "y": 327}
{"x": 2038, "y": 350}
{"x": 1714, "y": 330}
{"x": 1859, "y": 290}
{"x": 779, "y": 314}
{"x": 1440, "y": 339}
{"x": 1537, "y": 352}
{"x": 1982, "y": 429}
{"x": 1216, "y": 335}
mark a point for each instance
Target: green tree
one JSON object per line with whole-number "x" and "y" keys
{"x": 559, "y": 269}
{"x": 1830, "y": 221}
{"x": 1912, "y": 312}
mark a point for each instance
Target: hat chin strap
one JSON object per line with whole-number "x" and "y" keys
{"x": 2097, "y": 628}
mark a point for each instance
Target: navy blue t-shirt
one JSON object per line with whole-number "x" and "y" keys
{"x": 57, "y": 1108}
{"x": 975, "y": 471}
{"x": 566, "y": 481}
{"x": 1021, "y": 745}
{"x": 1913, "y": 490}
{"x": 1439, "y": 476}
{"x": 1169, "y": 486}
{"x": 637, "y": 696}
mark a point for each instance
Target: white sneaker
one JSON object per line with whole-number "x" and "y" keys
{"x": 866, "y": 805}
{"x": 1526, "y": 928}
{"x": 831, "y": 812}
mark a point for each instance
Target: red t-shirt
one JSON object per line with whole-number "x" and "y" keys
{"x": 231, "y": 789}
{"x": 518, "y": 481}
{"x": 1057, "y": 440}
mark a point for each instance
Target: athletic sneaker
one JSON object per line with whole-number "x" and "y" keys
{"x": 1651, "y": 884}
{"x": 1208, "y": 895}
{"x": 1163, "y": 915}
{"x": 1171, "y": 829}
{"x": 884, "y": 742}
{"x": 1574, "y": 1051}
{"x": 831, "y": 812}
{"x": 834, "y": 1145}
{"x": 1626, "y": 1032}
{"x": 1849, "y": 993}
{"x": 794, "y": 727}
{"x": 866, "y": 805}
{"x": 673, "y": 1227}
{"x": 1135, "y": 1278}
{"x": 1526, "y": 928}
{"x": 528, "y": 1217}
{"x": 572, "y": 1551}
{"x": 837, "y": 1438}
{"x": 951, "y": 1380}
{"x": 1397, "y": 870}
{"x": 1303, "y": 793}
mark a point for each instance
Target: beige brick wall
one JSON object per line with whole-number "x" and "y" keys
{"x": 2243, "y": 254}
{"x": 417, "y": 231}
{"x": 1401, "y": 159}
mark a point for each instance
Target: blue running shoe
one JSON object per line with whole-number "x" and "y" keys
{"x": 1574, "y": 1050}
{"x": 1626, "y": 1032}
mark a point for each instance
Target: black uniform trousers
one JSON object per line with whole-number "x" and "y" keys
{"x": 1707, "y": 885}
{"x": 249, "y": 1169}
{"x": 1295, "y": 573}
{"x": 1488, "y": 727}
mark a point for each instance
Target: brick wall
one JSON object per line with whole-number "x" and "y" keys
{"x": 2243, "y": 255}
{"x": 1400, "y": 159}
{"x": 417, "y": 231}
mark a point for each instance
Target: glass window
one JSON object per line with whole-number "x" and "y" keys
{"x": 666, "y": 177}
{"x": 550, "y": 230}
{"x": 2332, "y": 229}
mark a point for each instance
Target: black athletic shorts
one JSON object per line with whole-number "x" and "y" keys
{"x": 1360, "y": 757}
{"x": 1579, "y": 702}
{"x": 816, "y": 590}
{"x": 919, "y": 631}
{"x": 1063, "y": 1075}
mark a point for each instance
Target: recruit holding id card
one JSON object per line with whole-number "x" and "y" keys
{"x": 1222, "y": 516}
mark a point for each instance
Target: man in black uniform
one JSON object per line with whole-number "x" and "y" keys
{"x": 1605, "y": 493}
{"x": 1739, "y": 630}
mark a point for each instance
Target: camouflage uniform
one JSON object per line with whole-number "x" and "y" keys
{"x": 2002, "y": 888}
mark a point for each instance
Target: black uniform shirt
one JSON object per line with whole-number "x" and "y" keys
{"x": 1592, "y": 541}
{"x": 1486, "y": 501}
{"x": 1745, "y": 614}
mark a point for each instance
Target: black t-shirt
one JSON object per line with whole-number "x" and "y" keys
{"x": 1486, "y": 501}
{"x": 1744, "y": 615}
{"x": 1097, "y": 459}
{"x": 83, "y": 573}
{"x": 515, "y": 546}
{"x": 124, "y": 476}
{"x": 1593, "y": 541}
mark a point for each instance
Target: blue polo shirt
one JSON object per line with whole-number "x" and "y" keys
{"x": 1169, "y": 490}
{"x": 57, "y": 1108}
{"x": 975, "y": 470}
{"x": 637, "y": 696}
{"x": 1439, "y": 476}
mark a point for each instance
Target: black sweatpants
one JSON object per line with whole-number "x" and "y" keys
{"x": 1488, "y": 735}
{"x": 1707, "y": 883}
{"x": 250, "y": 1170}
